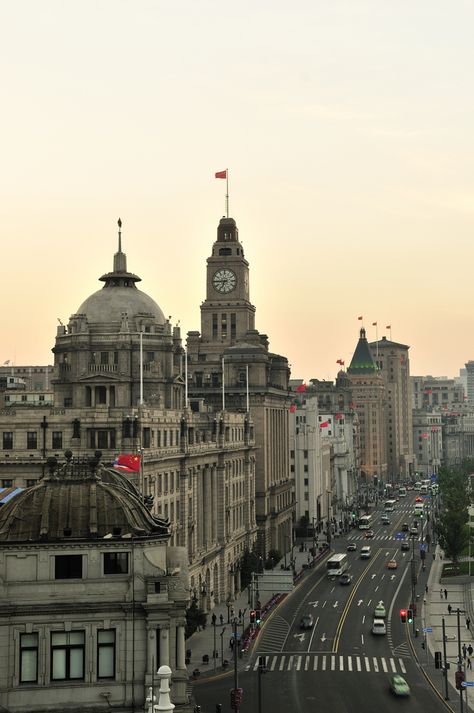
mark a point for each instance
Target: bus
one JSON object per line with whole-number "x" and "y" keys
{"x": 423, "y": 488}
{"x": 337, "y": 564}
{"x": 389, "y": 505}
{"x": 365, "y": 522}
{"x": 402, "y": 491}
{"x": 418, "y": 510}
{"x": 417, "y": 485}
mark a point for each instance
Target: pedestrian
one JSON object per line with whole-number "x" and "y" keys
{"x": 469, "y": 662}
{"x": 464, "y": 651}
{"x": 232, "y": 612}
{"x": 231, "y": 643}
{"x": 441, "y": 593}
{"x": 240, "y": 613}
{"x": 445, "y": 593}
{"x": 221, "y": 618}
{"x": 426, "y": 589}
{"x": 449, "y": 609}
{"x": 468, "y": 623}
{"x": 434, "y": 556}
{"x": 470, "y": 650}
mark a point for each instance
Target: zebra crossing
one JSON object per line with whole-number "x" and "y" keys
{"x": 384, "y": 537}
{"x": 331, "y": 662}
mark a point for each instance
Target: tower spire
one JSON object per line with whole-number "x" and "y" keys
{"x": 119, "y": 223}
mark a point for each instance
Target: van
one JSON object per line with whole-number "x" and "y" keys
{"x": 365, "y": 552}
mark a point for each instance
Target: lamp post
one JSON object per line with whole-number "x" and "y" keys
{"x": 222, "y": 646}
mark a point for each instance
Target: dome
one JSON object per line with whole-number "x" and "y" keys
{"x": 79, "y": 500}
{"x": 109, "y": 304}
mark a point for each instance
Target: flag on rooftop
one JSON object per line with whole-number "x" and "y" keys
{"x": 128, "y": 462}
{"x": 299, "y": 389}
{"x": 221, "y": 174}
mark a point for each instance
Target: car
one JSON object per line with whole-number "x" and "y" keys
{"x": 398, "y": 686}
{"x": 418, "y": 499}
{"x": 409, "y": 487}
{"x": 405, "y": 527}
{"x": 365, "y": 552}
{"x": 413, "y": 530}
{"x": 307, "y": 621}
{"x": 351, "y": 547}
{"x": 369, "y": 534}
{"x": 392, "y": 564}
{"x": 379, "y": 611}
{"x": 385, "y": 520}
{"x": 378, "y": 626}
{"x": 405, "y": 546}
{"x": 345, "y": 578}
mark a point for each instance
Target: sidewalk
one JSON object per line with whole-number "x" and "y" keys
{"x": 201, "y": 643}
{"x": 435, "y": 609}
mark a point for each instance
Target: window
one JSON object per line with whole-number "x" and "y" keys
{"x": 115, "y": 562}
{"x": 104, "y": 358}
{"x": 233, "y": 325}
{"x": 68, "y": 567}
{"x": 305, "y": 454}
{"x": 57, "y": 440}
{"x": 30, "y": 482}
{"x": 224, "y": 325}
{"x": 7, "y": 483}
{"x": 106, "y": 653}
{"x": 28, "y": 658}
{"x": 7, "y": 440}
{"x": 214, "y": 326}
{"x": 67, "y": 655}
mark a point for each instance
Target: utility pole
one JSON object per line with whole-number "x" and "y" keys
{"x": 222, "y": 646}
{"x": 458, "y": 612}
{"x": 413, "y": 582}
{"x": 262, "y": 668}
{"x": 445, "y": 669}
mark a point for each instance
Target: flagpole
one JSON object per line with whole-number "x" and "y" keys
{"x": 227, "y": 192}
{"x": 377, "y": 344}
{"x": 185, "y": 378}
{"x": 223, "y": 386}
{"x": 141, "y": 367}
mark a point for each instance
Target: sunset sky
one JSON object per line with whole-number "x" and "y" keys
{"x": 347, "y": 128}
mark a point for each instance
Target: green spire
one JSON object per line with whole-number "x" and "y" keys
{"x": 362, "y": 361}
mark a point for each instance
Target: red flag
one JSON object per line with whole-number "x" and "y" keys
{"x": 292, "y": 408}
{"x": 428, "y": 391}
{"x": 221, "y": 174}
{"x": 129, "y": 462}
{"x": 340, "y": 361}
{"x": 424, "y": 435}
{"x": 374, "y": 324}
{"x": 324, "y": 425}
{"x": 389, "y": 326}
{"x": 359, "y": 317}
{"x": 339, "y": 416}
{"x": 299, "y": 389}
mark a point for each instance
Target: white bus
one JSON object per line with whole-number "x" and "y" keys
{"x": 418, "y": 512}
{"x": 389, "y": 505}
{"x": 402, "y": 491}
{"x": 337, "y": 564}
{"x": 423, "y": 488}
{"x": 365, "y": 522}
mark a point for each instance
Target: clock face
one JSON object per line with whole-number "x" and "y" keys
{"x": 224, "y": 280}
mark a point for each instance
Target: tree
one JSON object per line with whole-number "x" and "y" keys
{"x": 453, "y": 533}
{"x": 274, "y": 556}
{"x": 195, "y": 618}
{"x": 250, "y": 563}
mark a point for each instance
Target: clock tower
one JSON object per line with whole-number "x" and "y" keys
{"x": 227, "y": 314}
{"x": 231, "y": 368}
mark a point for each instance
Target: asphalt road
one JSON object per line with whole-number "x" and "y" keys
{"x": 338, "y": 665}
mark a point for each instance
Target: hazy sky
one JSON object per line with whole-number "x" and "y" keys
{"x": 347, "y": 126}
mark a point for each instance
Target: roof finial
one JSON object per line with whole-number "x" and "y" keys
{"x": 119, "y": 223}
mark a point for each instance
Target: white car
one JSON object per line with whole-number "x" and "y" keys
{"x": 380, "y": 611}
{"x": 378, "y": 627}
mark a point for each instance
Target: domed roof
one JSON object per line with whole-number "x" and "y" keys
{"x": 79, "y": 500}
{"x": 119, "y": 295}
{"x": 111, "y": 302}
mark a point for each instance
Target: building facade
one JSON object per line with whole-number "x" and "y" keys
{"x": 393, "y": 364}
{"x": 230, "y": 366}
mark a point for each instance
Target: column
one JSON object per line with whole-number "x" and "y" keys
{"x": 181, "y": 647}
{"x": 164, "y": 646}
{"x": 214, "y": 503}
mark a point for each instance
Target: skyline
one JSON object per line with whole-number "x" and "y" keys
{"x": 347, "y": 134}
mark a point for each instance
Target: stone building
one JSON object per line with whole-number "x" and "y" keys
{"x": 393, "y": 364}
{"x": 369, "y": 401}
{"x": 118, "y": 386}
{"x": 92, "y": 597}
{"x": 230, "y": 363}
{"x": 428, "y": 441}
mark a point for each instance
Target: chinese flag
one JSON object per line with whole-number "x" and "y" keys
{"x": 292, "y": 408}
{"x": 221, "y": 174}
{"x": 338, "y": 416}
{"x": 128, "y": 462}
{"x": 324, "y": 425}
{"x": 389, "y": 326}
{"x": 424, "y": 435}
{"x": 374, "y": 324}
{"x": 340, "y": 361}
{"x": 428, "y": 391}
{"x": 299, "y": 389}
{"x": 359, "y": 317}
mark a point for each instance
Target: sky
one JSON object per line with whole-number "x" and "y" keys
{"x": 346, "y": 127}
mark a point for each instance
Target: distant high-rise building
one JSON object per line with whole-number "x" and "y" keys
{"x": 470, "y": 381}
{"x": 368, "y": 393}
{"x": 393, "y": 365}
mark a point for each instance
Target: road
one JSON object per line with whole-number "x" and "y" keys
{"x": 339, "y": 665}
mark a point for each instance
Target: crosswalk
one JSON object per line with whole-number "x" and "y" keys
{"x": 375, "y": 537}
{"x": 331, "y": 662}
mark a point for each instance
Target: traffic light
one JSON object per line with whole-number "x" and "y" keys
{"x": 438, "y": 663}
{"x": 236, "y": 698}
{"x": 252, "y": 616}
{"x": 459, "y": 678}
{"x": 258, "y": 616}
{"x": 410, "y": 615}
{"x": 403, "y": 616}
